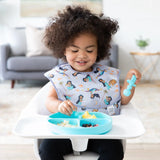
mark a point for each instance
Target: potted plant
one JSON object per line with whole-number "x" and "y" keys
{"x": 142, "y": 43}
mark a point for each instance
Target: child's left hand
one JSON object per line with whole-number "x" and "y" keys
{"x": 125, "y": 100}
{"x": 136, "y": 73}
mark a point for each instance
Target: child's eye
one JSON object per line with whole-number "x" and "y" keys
{"x": 74, "y": 51}
{"x": 89, "y": 51}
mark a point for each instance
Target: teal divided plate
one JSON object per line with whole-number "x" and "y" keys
{"x": 103, "y": 121}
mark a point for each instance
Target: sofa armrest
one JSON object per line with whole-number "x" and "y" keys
{"x": 114, "y": 55}
{"x": 4, "y": 54}
{"x": 112, "y": 61}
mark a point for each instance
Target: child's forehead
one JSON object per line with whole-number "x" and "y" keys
{"x": 89, "y": 37}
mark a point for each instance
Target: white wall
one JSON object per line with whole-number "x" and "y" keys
{"x": 136, "y": 18}
{"x": 10, "y": 17}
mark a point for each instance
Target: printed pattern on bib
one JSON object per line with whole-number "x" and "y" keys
{"x": 98, "y": 90}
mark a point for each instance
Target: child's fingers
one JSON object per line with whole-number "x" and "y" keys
{"x": 65, "y": 111}
{"x": 136, "y": 73}
{"x": 74, "y": 108}
{"x": 138, "y": 76}
{"x": 62, "y": 108}
{"x": 66, "y": 108}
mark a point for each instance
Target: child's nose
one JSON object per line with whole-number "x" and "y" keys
{"x": 83, "y": 54}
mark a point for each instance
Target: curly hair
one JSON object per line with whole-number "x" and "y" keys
{"x": 75, "y": 20}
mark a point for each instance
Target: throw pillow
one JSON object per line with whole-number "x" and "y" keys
{"x": 17, "y": 40}
{"x": 35, "y": 45}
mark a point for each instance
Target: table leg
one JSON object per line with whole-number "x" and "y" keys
{"x": 149, "y": 69}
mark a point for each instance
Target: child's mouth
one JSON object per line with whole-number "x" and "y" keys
{"x": 81, "y": 62}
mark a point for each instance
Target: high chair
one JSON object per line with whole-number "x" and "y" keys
{"x": 33, "y": 124}
{"x": 78, "y": 155}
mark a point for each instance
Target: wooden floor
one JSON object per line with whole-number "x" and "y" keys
{"x": 133, "y": 152}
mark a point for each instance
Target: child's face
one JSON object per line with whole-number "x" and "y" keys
{"x": 82, "y": 52}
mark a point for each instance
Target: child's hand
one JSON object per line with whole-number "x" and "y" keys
{"x": 134, "y": 72}
{"x": 66, "y": 107}
{"x": 126, "y": 99}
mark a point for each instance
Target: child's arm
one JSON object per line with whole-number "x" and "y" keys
{"x": 125, "y": 99}
{"x": 54, "y": 105}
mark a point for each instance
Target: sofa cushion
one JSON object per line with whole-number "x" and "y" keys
{"x": 17, "y": 40}
{"x": 35, "y": 45}
{"x": 40, "y": 63}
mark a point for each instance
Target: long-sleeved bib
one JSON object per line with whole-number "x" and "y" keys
{"x": 98, "y": 90}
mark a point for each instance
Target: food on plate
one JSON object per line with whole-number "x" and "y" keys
{"x": 86, "y": 115}
{"x": 89, "y": 125}
{"x": 65, "y": 123}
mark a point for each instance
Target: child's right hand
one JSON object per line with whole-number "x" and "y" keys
{"x": 66, "y": 107}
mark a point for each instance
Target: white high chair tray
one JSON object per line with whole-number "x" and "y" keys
{"x": 34, "y": 124}
{"x": 124, "y": 126}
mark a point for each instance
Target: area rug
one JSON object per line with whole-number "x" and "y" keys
{"x": 147, "y": 102}
{"x": 12, "y": 101}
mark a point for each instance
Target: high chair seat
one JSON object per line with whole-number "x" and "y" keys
{"x": 33, "y": 124}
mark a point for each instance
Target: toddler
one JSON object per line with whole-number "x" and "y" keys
{"x": 82, "y": 39}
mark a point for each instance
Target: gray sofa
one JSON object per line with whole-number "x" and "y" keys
{"x": 14, "y": 65}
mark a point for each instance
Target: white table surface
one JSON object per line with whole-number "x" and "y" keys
{"x": 33, "y": 123}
